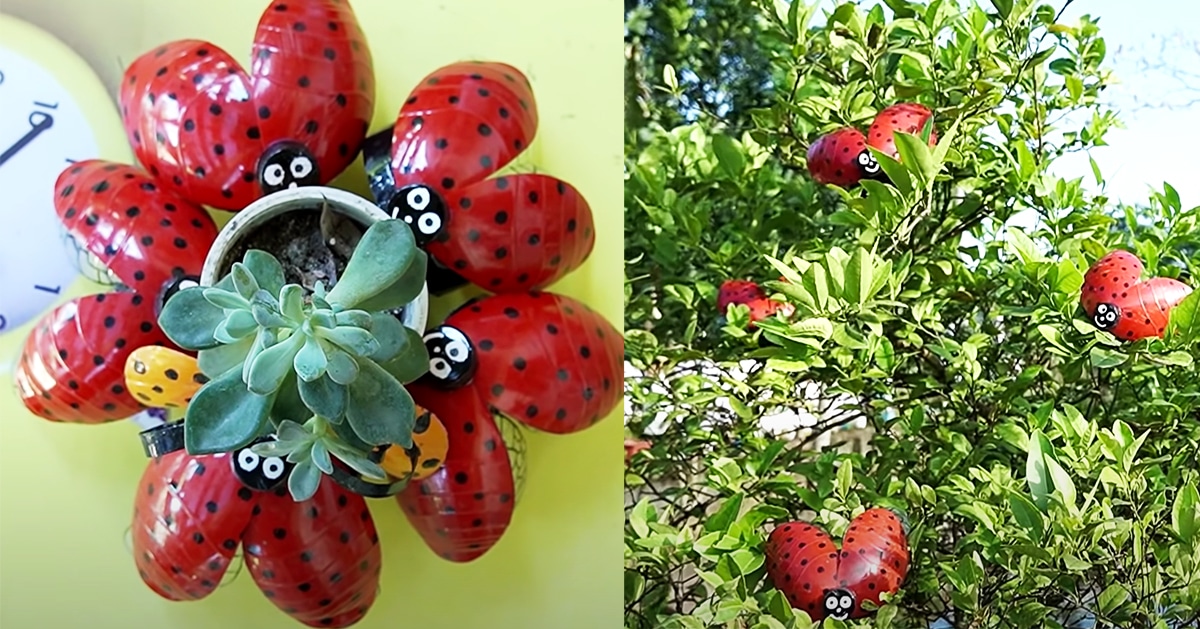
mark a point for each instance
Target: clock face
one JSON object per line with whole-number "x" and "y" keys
{"x": 42, "y": 131}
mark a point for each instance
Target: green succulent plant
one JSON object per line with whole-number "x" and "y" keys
{"x": 323, "y": 372}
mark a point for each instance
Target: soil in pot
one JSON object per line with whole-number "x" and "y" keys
{"x": 313, "y": 245}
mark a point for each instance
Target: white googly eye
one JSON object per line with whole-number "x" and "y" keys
{"x": 418, "y": 199}
{"x": 429, "y": 223}
{"x": 187, "y": 284}
{"x": 864, "y": 159}
{"x": 272, "y": 467}
{"x": 439, "y": 368}
{"x": 301, "y": 167}
{"x": 457, "y": 351}
{"x": 247, "y": 460}
{"x": 273, "y": 174}
{"x": 847, "y": 602}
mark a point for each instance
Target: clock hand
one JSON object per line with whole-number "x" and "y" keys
{"x": 40, "y": 122}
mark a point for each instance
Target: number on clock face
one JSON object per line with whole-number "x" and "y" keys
{"x": 42, "y": 131}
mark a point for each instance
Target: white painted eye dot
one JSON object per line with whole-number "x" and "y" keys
{"x": 273, "y": 174}
{"x": 247, "y": 460}
{"x": 430, "y": 222}
{"x": 187, "y": 284}
{"x": 301, "y": 167}
{"x": 847, "y": 602}
{"x": 457, "y": 351}
{"x": 864, "y": 158}
{"x": 439, "y": 368}
{"x": 272, "y": 467}
{"x": 418, "y": 198}
{"x": 831, "y": 602}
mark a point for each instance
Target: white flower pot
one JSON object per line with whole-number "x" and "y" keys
{"x": 414, "y": 315}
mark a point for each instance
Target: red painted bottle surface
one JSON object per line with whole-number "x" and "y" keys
{"x": 317, "y": 561}
{"x": 223, "y": 136}
{"x": 462, "y": 124}
{"x": 130, "y": 232}
{"x": 545, "y": 360}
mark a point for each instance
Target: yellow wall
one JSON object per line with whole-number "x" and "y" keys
{"x": 66, "y": 492}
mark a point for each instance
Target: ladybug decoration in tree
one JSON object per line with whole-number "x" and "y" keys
{"x": 807, "y": 566}
{"x": 749, "y": 294}
{"x": 221, "y": 136}
{"x": 1116, "y": 300}
{"x": 842, "y": 159}
{"x": 907, "y": 118}
{"x": 127, "y": 231}
{"x": 318, "y": 561}
{"x": 514, "y": 233}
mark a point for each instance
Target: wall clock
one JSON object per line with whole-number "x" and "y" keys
{"x": 53, "y": 110}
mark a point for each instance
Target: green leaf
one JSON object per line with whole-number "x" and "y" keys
{"x": 1027, "y": 515}
{"x": 291, "y": 302}
{"x": 189, "y": 319}
{"x": 412, "y": 362}
{"x": 216, "y": 361}
{"x": 1184, "y": 322}
{"x": 859, "y": 276}
{"x": 382, "y": 256}
{"x": 1183, "y": 513}
{"x": 342, "y": 367}
{"x": 324, "y": 397}
{"x": 1061, "y": 480}
{"x": 288, "y": 404}
{"x": 896, "y": 172}
{"x": 379, "y": 409}
{"x": 404, "y": 290}
{"x": 357, "y": 318}
{"x": 390, "y": 333}
{"x": 224, "y": 299}
{"x": 1036, "y": 475}
{"x": 357, "y": 341}
{"x": 267, "y": 271}
{"x": 269, "y": 368}
{"x": 320, "y": 457}
{"x": 1022, "y": 246}
{"x": 1103, "y": 358}
{"x": 359, "y": 463}
{"x": 310, "y": 361}
{"x": 729, "y": 155}
{"x": 264, "y": 339}
{"x": 304, "y": 480}
{"x": 243, "y": 281}
{"x": 239, "y": 324}
{"x": 726, "y": 515}
{"x": 1112, "y": 598}
{"x": 845, "y": 477}
{"x": 224, "y": 416}
{"x": 915, "y": 154}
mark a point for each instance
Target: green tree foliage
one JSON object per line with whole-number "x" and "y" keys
{"x": 1047, "y": 470}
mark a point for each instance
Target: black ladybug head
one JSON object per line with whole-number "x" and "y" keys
{"x": 423, "y": 209}
{"x": 1106, "y": 317}
{"x": 180, "y": 282}
{"x": 868, "y": 166}
{"x": 452, "y": 359}
{"x": 287, "y": 165}
{"x": 838, "y": 604}
{"x": 258, "y": 472}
